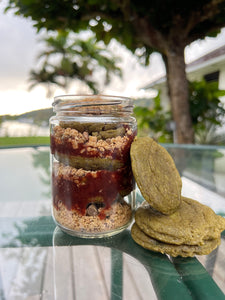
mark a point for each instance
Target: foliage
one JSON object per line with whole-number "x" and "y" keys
{"x": 68, "y": 57}
{"x": 125, "y": 20}
{"x": 210, "y": 135}
{"x": 207, "y": 111}
{"x": 24, "y": 141}
{"x": 154, "y": 121}
{"x": 205, "y": 104}
{"x": 143, "y": 27}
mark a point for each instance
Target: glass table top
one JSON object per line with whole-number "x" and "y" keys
{"x": 39, "y": 261}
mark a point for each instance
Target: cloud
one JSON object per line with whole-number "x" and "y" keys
{"x": 20, "y": 101}
{"x": 17, "y": 51}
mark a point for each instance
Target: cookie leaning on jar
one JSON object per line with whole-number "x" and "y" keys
{"x": 167, "y": 222}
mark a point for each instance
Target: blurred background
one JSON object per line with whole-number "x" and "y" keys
{"x": 43, "y": 56}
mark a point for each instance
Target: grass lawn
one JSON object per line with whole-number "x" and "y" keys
{"x": 24, "y": 141}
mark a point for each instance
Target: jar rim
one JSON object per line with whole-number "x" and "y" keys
{"x": 73, "y": 101}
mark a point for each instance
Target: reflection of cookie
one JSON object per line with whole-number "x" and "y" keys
{"x": 156, "y": 175}
{"x": 174, "y": 250}
{"x": 191, "y": 224}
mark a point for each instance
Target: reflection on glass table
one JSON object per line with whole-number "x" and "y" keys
{"x": 38, "y": 261}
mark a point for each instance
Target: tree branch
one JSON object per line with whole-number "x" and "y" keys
{"x": 207, "y": 12}
{"x": 148, "y": 34}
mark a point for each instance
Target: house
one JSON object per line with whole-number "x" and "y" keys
{"x": 211, "y": 66}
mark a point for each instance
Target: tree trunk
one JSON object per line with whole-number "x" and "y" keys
{"x": 178, "y": 91}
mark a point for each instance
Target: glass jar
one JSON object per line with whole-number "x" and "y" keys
{"x": 92, "y": 181}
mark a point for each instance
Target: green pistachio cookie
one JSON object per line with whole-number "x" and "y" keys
{"x": 193, "y": 223}
{"x": 173, "y": 250}
{"x": 156, "y": 175}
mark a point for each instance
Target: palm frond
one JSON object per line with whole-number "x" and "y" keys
{"x": 69, "y": 57}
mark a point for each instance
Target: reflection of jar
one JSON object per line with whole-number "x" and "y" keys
{"x": 92, "y": 181}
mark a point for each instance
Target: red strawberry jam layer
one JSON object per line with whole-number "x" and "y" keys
{"x": 76, "y": 189}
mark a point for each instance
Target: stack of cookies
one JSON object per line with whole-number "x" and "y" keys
{"x": 167, "y": 222}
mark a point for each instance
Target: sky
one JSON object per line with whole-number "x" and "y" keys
{"x": 20, "y": 46}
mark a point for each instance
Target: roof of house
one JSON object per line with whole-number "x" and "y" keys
{"x": 207, "y": 57}
{"x": 211, "y": 57}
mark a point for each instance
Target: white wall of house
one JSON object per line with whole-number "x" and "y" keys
{"x": 222, "y": 79}
{"x": 222, "y": 82}
{"x": 195, "y": 74}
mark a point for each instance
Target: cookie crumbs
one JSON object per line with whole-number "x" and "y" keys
{"x": 119, "y": 215}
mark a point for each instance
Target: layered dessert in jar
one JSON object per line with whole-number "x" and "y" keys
{"x": 92, "y": 180}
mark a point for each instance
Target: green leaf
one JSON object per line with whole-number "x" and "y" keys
{"x": 66, "y": 65}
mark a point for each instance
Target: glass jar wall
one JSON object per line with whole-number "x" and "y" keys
{"x": 92, "y": 181}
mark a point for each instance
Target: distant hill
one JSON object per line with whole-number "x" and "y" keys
{"x": 41, "y": 116}
{"x": 38, "y": 117}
